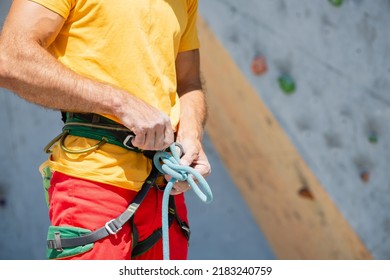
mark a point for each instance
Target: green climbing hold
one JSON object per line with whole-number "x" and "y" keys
{"x": 373, "y": 138}
{"x": 336, "y": 3}
{"x": 287, "y": 84}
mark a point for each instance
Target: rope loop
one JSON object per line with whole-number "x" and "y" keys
{"x": 169, "y": 163}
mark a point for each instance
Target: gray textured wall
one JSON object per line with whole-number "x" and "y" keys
{"x": 26, "y": 129}
{"x": 340, "y": 60}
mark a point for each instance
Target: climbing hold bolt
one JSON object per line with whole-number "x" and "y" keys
{"x": 259, "y": 65}
{"x": 286, "y": 84}
{"x": 336, "y": 3}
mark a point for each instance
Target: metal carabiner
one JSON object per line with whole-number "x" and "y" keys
{"x": 86, "y": 150}
{"x": 177, "y": 145}
{"x": 47, "y": 148}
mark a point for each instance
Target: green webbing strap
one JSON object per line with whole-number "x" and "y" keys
{"x": 83, "y": 125}
{"x": 66, "y": 232}
{"x": 95, "y": 127}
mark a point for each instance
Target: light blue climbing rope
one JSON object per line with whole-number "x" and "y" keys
{"x": 169, "y": 163}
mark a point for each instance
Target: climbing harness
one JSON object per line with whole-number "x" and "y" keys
{"x": 94, "y": 127}
{"x": 164, "y": 162}
{"x": 111, "y": 227}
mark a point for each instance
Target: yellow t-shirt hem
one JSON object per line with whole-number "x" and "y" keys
{"x": 109, "y": 164}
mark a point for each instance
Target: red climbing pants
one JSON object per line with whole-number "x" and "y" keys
{"x": 86, "y": 204}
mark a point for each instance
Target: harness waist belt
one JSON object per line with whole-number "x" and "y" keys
{"x": 98, "y": 127}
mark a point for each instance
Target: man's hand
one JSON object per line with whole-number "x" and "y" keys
{"x": 195, "y": 157}
{"x": 152, "y": 128}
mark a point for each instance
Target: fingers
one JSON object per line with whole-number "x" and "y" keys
{"x": 190, "y": 155}
{"x": 180, "y": 187}
{"x": 203, "y": 169}
{"x": 169, "y": 137}
{"x": 156, "y": 136}
{"x": 139, "y": 140}
{"x": 200, "y": 163}
{"x": 196, "y": 158}
{"x": 152, "y": 127}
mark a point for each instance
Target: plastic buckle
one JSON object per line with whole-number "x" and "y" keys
{"x": 128, "y": 140}
{"x": 109, "y": 229}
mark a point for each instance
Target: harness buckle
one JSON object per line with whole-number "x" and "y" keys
{"x": 127, "y": 142}
{"x": 186, "y": 230}
{"x": 111, "y": 227}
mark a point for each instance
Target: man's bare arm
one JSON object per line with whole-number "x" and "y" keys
{"x": 193, "y": 114}
{"x": 27, "y": 69}
{"x": 192, "y": 98}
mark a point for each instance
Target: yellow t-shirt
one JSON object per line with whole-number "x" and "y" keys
{"x": 131, "y": 44}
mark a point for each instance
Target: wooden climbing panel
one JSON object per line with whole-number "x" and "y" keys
{"x": 289, "y": 204}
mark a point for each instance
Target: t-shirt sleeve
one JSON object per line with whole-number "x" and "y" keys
{"x": 61, "y": 7}
{"x": 189, "y": 39}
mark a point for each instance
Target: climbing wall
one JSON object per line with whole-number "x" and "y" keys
{"x": 323, "y": 70}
